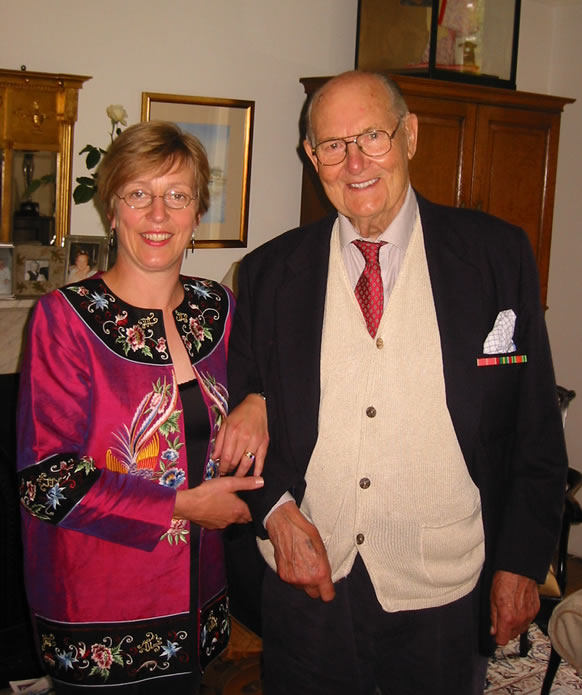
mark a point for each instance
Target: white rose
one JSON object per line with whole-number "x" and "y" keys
{"x": 117, "y": 114}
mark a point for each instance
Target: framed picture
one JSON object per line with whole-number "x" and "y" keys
{"x": 37, "y": 269}
{"x": 225, "y": 128}
{"x": 84, "y": 256}
{"x": 6, "y": 272}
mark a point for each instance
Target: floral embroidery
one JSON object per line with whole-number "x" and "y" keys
{"x": 137, "y": 334}
{"x": 219, "y": 398}
{"x": 116, "y": 653}
{"x": 50, "y": 489}
{"x": 204, "y": 305}
{"x": 177, "y": 532}
{"x": 214, "y": 630}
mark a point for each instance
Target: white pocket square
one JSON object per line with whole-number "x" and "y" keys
{"x": 500, "y": 339}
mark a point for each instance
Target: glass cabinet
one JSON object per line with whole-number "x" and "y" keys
{"x": 38, "y": 112}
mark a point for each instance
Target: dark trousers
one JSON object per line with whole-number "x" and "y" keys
{"x": 351, "y": 646}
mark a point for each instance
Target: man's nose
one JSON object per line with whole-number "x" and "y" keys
{"x": 354, "y": 155}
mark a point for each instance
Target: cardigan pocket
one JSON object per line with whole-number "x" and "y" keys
{"x": 453, "y": 553}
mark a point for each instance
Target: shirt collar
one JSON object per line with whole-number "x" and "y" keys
{"x": 398, "y": 231}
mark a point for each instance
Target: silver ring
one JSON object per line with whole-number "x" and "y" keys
{"x": 250, "y": 455}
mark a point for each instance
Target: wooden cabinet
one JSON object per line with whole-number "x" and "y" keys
{"x": 37, "y": 116}
{"x": 491, "y": 149}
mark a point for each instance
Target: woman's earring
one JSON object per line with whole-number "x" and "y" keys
{"x": 191, "y": 245}
{"x": 111, "y": 238}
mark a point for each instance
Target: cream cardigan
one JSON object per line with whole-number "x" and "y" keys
{"x": 387, "y": 477}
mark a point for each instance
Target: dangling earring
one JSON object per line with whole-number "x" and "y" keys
{"x": 111, "y": 238}
{"x": 191, "y": 245}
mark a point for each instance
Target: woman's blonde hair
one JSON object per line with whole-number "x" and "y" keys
{"x": 152, "y": 147}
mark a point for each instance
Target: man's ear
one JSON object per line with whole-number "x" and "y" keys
{"x": 411, "y": 134}
{"x": 309, "y": 151}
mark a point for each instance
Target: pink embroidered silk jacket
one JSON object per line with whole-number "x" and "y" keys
{"x": 101, "y": 455}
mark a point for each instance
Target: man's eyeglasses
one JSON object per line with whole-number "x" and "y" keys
{"x": 138, "y": 199}
{"x": 373, "y": 143}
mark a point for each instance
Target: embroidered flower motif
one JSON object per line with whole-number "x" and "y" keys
{"x": 170, "y": 455}
{"x": 99, "y": 301}
{"x": 196, "y": 329}
{"x": 101, "y": 655}
{"x": 135, "y": 338}
{"x": 203, "y": 288}
{"x": 170, "y": 650}
{"x": 177, "y": 532}
{"x": 30, "y": 493}
{"x": 80, "y": 290}
{"x": 121, "y": 319}
{"x": 54, "y": 496}
{"x": 65, "y": 660}
{"x": 162, "y": 345}
{"x": 174, "y": 477}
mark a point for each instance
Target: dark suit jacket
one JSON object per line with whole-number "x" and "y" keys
{"x": 506, "y": 417}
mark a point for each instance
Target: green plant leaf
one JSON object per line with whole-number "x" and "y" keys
{"x": 83, "y": 194}
{"x": 86, "y": 181}
{"x": 93, "y": 158}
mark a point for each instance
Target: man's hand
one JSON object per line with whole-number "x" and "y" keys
{"x": 299, "y": 552}
{"x": 243, "y": 438}
{"x": 214, "y": 504}
{"x": 514, "y": 604}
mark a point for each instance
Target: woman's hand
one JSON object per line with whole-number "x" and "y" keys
{"x": 243, "y": 438}
{"x": 214, "y": 504}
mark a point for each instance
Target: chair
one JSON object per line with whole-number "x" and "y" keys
{"x": 565, "y": 633}
{"x": 553, "y": 591}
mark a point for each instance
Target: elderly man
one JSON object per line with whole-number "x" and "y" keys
{"x": 414, "y": 479}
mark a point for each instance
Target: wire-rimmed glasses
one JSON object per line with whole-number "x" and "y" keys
{"x": 139, "y": 199}
{"x": 373, "y": 143}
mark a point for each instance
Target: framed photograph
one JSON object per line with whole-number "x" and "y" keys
{"x": 6, "y": 272}
{"x": 225, "y": 128}
{"x": 84, "y": 256}
{"x": 37, "y": 269}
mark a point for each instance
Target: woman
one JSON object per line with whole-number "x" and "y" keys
{"x": 81, "y": 268}
{"x": 122, "y": 397}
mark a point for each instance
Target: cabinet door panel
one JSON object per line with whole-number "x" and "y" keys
{"x": 442, "y": 166}
{"x": 513, "y": 178}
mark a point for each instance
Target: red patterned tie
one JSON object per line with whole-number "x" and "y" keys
{"x": 369, "y": 288}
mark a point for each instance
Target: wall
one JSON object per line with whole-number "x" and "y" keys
{"x": 550, "y": 55}
{"x": 258, "y": 49}
{"x": 240, "y": 49}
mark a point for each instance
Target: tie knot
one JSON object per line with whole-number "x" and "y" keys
{"x": 369, "y": 249}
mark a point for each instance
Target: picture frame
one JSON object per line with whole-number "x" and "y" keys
{"x": 84, "y": 256}
{"x": 6, "y": 271}
{"x": 37, "y": 269}
{"x": 225, "y": 128}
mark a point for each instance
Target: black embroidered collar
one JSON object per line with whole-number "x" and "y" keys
{"x": 138, "y": 334}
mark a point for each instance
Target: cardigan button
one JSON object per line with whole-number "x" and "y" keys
{"x": 360, "y": 538}
{"x": 379, "y": 343}
{"x": 371, "y": 411}
{"x": 365, "y": 483}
